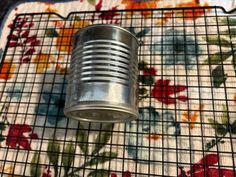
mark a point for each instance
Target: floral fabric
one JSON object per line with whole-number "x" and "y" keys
{"x": 187, "y": 96}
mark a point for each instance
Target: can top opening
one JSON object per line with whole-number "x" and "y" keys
{"x": 104, "y": 27}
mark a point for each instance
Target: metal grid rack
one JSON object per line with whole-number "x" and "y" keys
{"x": 165, "y": 141}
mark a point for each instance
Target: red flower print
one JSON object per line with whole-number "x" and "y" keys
{"x": 149, "y": 71}
{"x": 47, "y": 172}
{"x": 98, "y": 6}
{"x": 113, "y": 175}
{"x": 34, "y": 136}
{"x": 21, "y": 37}
{"x": 162, "y": 91}
{"x": 16, "y": 136}
{"x": 124, "y": 174}
{"x": 110, "y": 15}
{"x": 29, "y": 51}
{"x": 210, "y": 159}
{"x": 107, "y": 16}
{"x": 205, "y": 168}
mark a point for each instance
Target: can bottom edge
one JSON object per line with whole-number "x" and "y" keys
{"x": 101, "y": 114}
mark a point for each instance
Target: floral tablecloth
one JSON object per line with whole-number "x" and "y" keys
{"x": 187, "y": 95}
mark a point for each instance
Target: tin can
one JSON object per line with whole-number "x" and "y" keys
{"x": 102, "y": 83}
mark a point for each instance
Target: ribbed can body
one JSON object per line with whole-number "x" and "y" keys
{"x": 102, "y": 83}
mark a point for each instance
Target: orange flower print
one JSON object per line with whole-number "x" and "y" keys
{"x": 59, "y": 23}
{"x": 153, "y": 137}
{"x": 42, "y": 62}
{"x": 50, "y": 9}
{"x": 48, "y": 6}
{"x": 7, "y": 169}
{"x": 61, "y": 69}
{"x": 235, "y": 98}
{"x": 188, "y": 14}
{"x": 166, "y": 16}
{"x": 47, "y": 3}
{"x": 191, "y": 14}
{"x": 191, "y": 117}
{"x": 64, "y": 39}
{"x": 141, "y": 4}
{"x": 7, "y": 69}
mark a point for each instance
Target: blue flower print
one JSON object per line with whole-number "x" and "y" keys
{"x": 52, "y": 103}
{"x": 15, "y": 93}
{"x": 177, "y": 48}
{"x": 147, "y": 132}
{"x": 18, "y": 92}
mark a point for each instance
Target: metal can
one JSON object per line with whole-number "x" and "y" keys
{"x": 102, "y": 83}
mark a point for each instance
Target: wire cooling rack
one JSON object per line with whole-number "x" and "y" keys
{"x": 187, "y": 98}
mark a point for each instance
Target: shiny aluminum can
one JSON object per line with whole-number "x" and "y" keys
{"x": 102, "y": 83}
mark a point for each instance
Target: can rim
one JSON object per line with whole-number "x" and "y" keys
{"x": 107, "y": 25}
{"x": 133, "y": 115}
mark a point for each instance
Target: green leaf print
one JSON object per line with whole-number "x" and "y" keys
{"x": 219, "y": 77}
{"x": 82, "y": 139}
{"x": 51, "y": 32}
{"x": 99, "y": 173}
{"x": 53, "y": 152}
{"x": 102, "y": 138}
{"x": 68, "y": 156}
{"x": 102, "y": 158}
{"x": 35, "y": 167}
{"x": 217, "y": 58}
